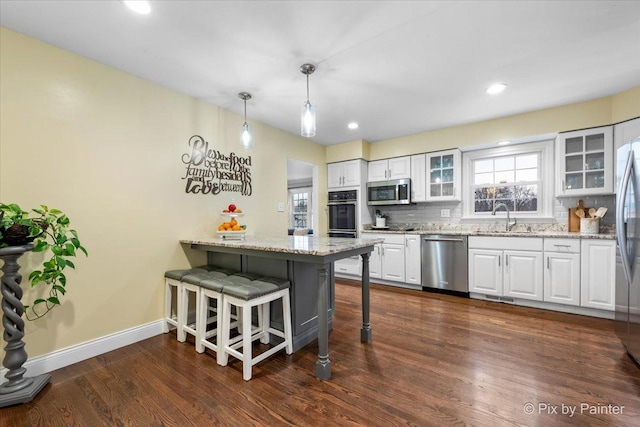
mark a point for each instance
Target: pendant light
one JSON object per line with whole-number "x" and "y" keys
{"x": 308, "y": 119}
{"x": 246, "y": 134}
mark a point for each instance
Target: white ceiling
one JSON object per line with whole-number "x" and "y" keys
{"x": 396, "y": 67}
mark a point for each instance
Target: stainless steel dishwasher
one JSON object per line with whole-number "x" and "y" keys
{"x": 444, "y": 263}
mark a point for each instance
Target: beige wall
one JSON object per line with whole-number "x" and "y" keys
{"x": 358, "y": 149}
{"x": 592, "y": 113}
{"x": 105, "y": 147}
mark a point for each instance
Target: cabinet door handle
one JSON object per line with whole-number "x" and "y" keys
{"x": 383, "y": 250}
{"x": 499, "y": 260}
{"x": 506, "y": 261}
{"x": 548, "y": 268}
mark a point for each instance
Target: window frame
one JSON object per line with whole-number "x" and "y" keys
{"x": 544, "y": 148}
{"x": 309, "y": 212}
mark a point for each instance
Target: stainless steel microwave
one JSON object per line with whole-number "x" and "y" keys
{"x": 396, "y": 192}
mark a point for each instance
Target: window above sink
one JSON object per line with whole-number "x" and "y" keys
{"x": 519, "y": 176}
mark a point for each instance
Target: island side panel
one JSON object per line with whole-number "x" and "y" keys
{"x": 304, "y": 294}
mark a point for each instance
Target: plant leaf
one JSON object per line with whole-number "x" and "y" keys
{"x": 62, "y": 263}
{"x": 53, "y": 300}
{"x": 40, "y": 246}
{"x": 60, "y": 289}
{"x": 38, "y": 301}
{"x": 70, "y": 264}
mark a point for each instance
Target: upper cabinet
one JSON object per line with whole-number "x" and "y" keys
{"x": 344, "y": 174}
{"x": 395, "y": 168}
{"x": 585, "y": 162}
{"x": 443, "y": 176}
{"x": 419, "y": 178}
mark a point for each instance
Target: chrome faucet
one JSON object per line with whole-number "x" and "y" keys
{"x": 509, "y": 224}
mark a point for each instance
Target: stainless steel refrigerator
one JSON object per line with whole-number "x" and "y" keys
{"x": 628, "y": 245}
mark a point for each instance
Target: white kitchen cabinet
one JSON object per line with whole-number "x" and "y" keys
{"x": 506, "y": 266}
{"x": 485, "y": 271}
{"x": 444, "y": 174}
{"x": 584, "y": 161}
{"x": 412, "y": 259}
{"x": 386, "y": 169}
{"x": 419, "y": 178}
{"x": 562, "y": 271}
{"x": 375, "y": 262}
{"x": 393, "y": 262}
{"x": 351, "y": 266}
{"x": 391, "y": 259}
{"x": 344, "y": 174}
{"x": 523, "y": 275}
{"x": 597, "y": 278}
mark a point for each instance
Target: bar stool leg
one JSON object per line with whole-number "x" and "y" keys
{"x": 264, "y": 321}
{"x": 246, "y": 343}
{"x": 223, "y": 333}
{"x": 286, "y": 317}
{"x": 170, "y": 284}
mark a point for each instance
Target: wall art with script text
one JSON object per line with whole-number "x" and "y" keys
{"x": 209, "y": 171}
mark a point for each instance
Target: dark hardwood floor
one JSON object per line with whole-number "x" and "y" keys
{"x": 435, "y": 360}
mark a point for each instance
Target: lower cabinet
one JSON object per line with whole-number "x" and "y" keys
{"x": 485, "y": 271}
{"x": 413, "y": 259}
{"x": 392, "y": 260}
{"x": 597, "y": 284}
{"x": 562, "y": 271}
{"x": 387, "y": 261}
{"x": 375, "y": 262}
{"x": 573, "y": 272}
{"x": 523, "y": 275}
{"x": 506, "y": 272}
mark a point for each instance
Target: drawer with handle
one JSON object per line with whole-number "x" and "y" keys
{"x": 569, "y": 246}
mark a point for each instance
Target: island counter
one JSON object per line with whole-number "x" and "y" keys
{"x": 307, "y": 262}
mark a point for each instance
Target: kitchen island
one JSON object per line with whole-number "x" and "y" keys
{"x": 307, "y": 262}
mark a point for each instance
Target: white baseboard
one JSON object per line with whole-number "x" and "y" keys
{"x": 77, "y": 353}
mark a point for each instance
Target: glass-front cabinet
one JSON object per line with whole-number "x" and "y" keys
{"x": 585, "y": 162}
{"x": 443, "y": 175}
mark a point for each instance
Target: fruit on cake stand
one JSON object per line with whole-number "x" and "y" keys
{"x": 230, "y": 228}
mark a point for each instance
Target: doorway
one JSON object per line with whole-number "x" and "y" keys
{"x": 302, "y": 189}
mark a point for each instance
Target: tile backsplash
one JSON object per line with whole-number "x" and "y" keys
{"x": 421, "y": 213}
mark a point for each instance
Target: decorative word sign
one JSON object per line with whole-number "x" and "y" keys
{"x": 209, "y": 171}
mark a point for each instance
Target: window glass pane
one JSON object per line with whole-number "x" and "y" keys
{"x": 504, "y": 163}
{"x": 526, "y": 197}
{"x": 481, "y": 166}
{"x": 484, "y": 178}
{"x": 526, "y": 175}
{"x": 506, "y": 176}
{"x": 527, "y": 161}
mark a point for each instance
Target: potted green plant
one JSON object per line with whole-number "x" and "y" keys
{"x": 49, "y": 231}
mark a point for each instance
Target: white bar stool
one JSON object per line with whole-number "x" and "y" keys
{"x": 191, "y": 285}
{"x": 246, "y": 295}
{"x": 172, "y": 280}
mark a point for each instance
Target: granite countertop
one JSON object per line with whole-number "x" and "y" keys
{"x": 306, "y": 245}
{"x": 537, "y": 230}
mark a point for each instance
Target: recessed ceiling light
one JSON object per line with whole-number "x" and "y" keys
{"x": 496, "y": 88}
{"x": 506, "y": 142}
{"x": 139, "y": 6}
{"x": 353, "y": 125}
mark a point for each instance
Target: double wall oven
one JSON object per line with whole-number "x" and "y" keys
{"x": 343, "y": 209}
